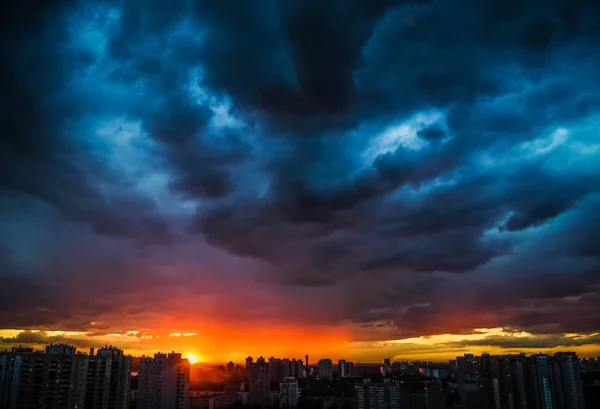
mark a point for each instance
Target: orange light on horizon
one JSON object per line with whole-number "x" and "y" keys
{"x": 193, "y": 358}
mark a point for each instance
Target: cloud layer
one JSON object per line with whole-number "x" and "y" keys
{"x": 379, "y": 170}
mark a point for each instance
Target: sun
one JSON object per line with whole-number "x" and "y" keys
{"x": 192, "y": 358}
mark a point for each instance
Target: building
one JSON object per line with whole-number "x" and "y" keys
{"x": 294, "y": 368}
{"x": 350, "y": 369}
{"x": 468, "y": 368}
{"x": 108, "y": 379}
{"x": 342, "y": 369}
{"x": 54, "y": 379}
{"x": 386, "y": 370}
{"x": 325, "y": 369}
{"x": 288, "y": 393}
{"x": 286, "y": 370}
{"x": 10, "y": 373}
{"x": 248, "y": 367}
{"x": 213, "y": 400}
{"x": 163, "y": 382}
{"x": 567, "y": 381}
{"x": 300, "y": 371}
{"x": 536, "y": 382}
{"x": 259, "y": 387}
{"x": 275, "y": 369}
{"x": 384, "y": 395}
{"x": 435, "y": 397}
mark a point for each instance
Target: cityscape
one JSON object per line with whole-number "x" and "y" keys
{"x": 60, "y": 377}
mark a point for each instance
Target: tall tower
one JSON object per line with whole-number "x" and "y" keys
{"x": 307, "y": 366}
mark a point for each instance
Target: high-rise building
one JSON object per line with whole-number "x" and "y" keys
{"x": 307, "y": 367}
{"x": 10, "y": 374}
{"x": 288, "y": 393}
{"x": 293, "y": 368}
{"x": 275, "y": 369}
{"x": 384, "y": 395}
{"x": 468, "y": 367}
{"x": 300, "y": 372}
{"x": 259, "y": 383}
{"x": 350, "y": 369}
{"x": 163, "y": 382}
{"x": 536, "y": 382}
{"x": 567, "y": 381}
{"x": 248, "y": 367}
{"x": 286, "y": 372}
{"x": 108, "y": 379}
{"x": 325, "y": 368}
{"x": 386, "y": 370}
{"x": 541, "y": 394}
{"x": 342, "y": 369}
{"x": 52, "y": 380}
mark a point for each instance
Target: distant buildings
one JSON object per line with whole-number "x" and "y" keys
{"x": 213, "y": 400}
{"x": 163, "y": 382}
{"x": 384, "y": 395}
{"x": 325, "y": 369}
{"x": 288, "y": 393}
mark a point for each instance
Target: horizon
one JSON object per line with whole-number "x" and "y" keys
{"x": 347, "y": 179}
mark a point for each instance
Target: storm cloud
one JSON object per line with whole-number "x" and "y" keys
{"x": 430, "y": 165}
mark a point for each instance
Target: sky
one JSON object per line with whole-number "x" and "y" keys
{"x": 346, "y": 179}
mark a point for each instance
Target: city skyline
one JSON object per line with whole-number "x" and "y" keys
{"x": 61, "y": 377}
{"x": 347, "y": 179}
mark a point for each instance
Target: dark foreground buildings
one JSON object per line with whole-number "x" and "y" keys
{"x": 530, "y": 382}
{"x": 61, "y": 378}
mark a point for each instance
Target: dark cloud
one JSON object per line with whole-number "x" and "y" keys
{"x": 432, "y": 166}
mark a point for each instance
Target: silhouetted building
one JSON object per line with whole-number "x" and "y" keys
{"x": 259, "y": 383}
{"x": 108, "y": 379}
{"x": 567, "y": 381}
{"x": 10, "y": 374}
{"x": 536, "y": 382}
{"x": 342, "y": 369}
{"x": 300, "y": 372}
{"x": 325, "y": 368}
{"x": 350, "y": 369}
{"x": 286, "y": 370}
{"x": 386, "y": 370}
{"x": 275, "y": 369}
{"x": 468, "y": 367}
{"x": 52, "y": 380}
{"x": 163, "y": 382}
{"x": 384, "y": 395}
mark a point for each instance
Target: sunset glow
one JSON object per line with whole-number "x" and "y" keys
{"x": 191, "y": 357}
